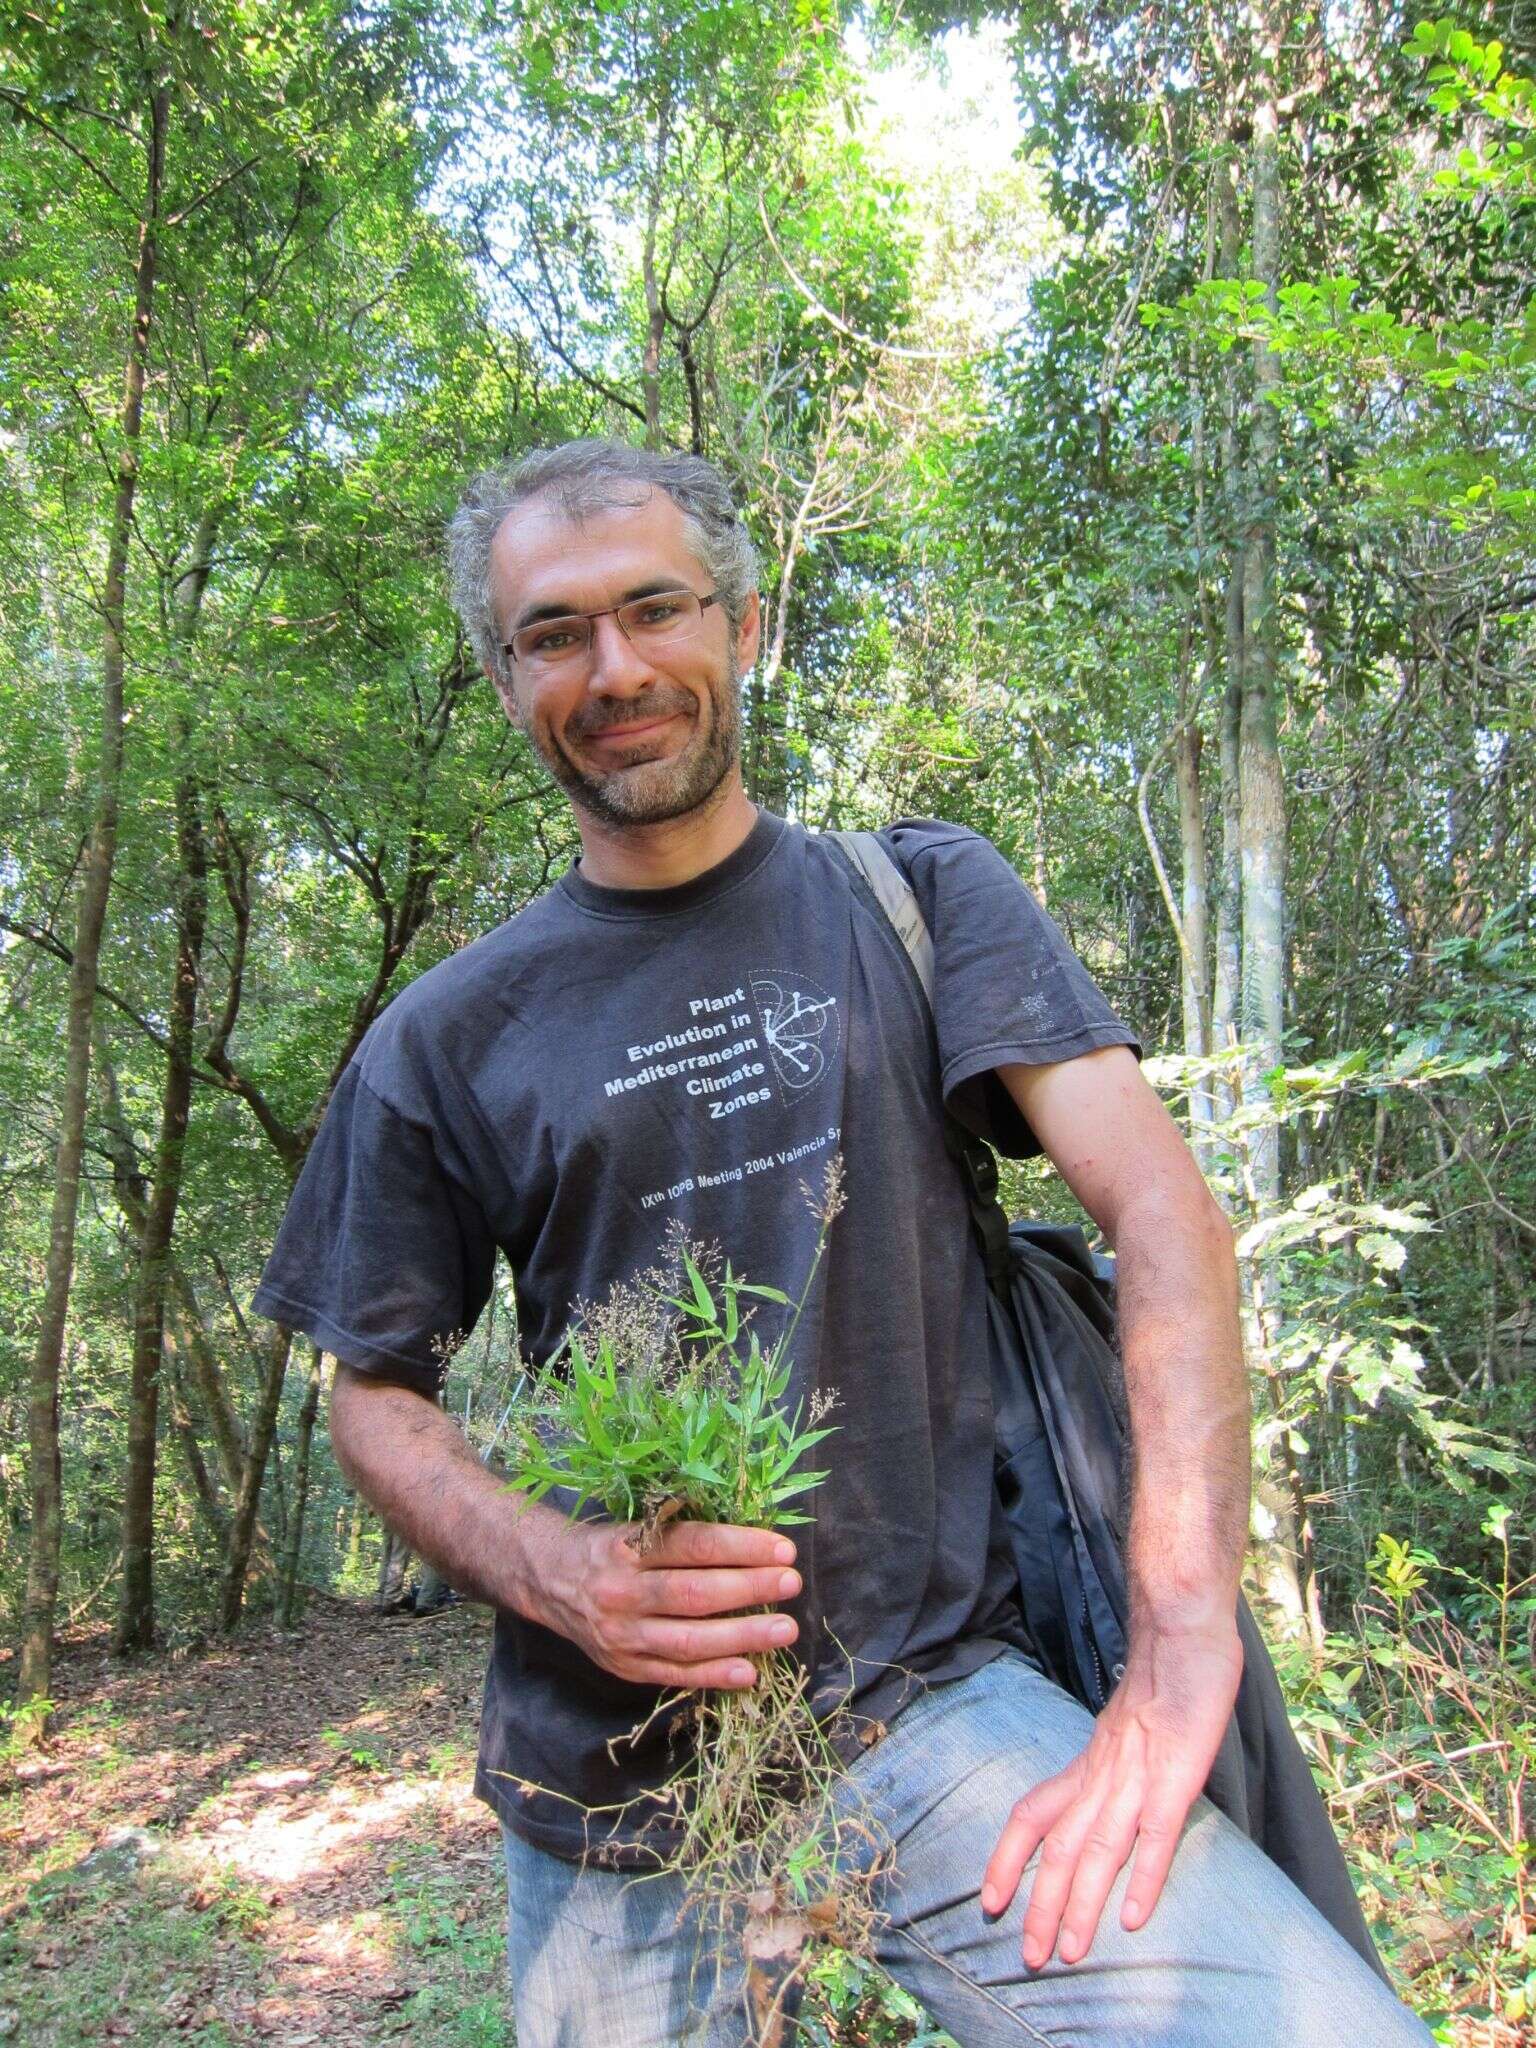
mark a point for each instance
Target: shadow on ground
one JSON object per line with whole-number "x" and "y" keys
{"x": 273, "y": 1841}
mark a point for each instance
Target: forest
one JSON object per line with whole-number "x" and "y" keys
{"x": 1135, "y": 410}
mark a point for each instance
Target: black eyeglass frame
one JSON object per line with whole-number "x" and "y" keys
{"x": 611, "y": 611}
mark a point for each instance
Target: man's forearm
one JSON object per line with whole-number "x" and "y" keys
{"x": 1189, "y": 1411}
{"x": 414, "y": 1464}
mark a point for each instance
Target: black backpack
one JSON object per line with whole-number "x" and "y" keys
{"x": 1062, "y": 1463}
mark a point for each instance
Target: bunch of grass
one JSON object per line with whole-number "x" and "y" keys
{"x": 663, "y": 1403}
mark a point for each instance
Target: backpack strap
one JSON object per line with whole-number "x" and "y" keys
{"x": 895, "y": 898}
{"x": 894, "y": 894}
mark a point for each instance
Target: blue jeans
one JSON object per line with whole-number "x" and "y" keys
{"x": 1233, "y": 1956}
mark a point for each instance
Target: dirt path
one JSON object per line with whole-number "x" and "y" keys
{"x": 271, "y": 1841}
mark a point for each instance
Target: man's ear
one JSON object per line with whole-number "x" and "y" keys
{"x": 502, "y": 685}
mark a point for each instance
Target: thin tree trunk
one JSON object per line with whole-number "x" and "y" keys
{"x": 1188, "y": 746}
{"x": 288, "y": 1598}
{"x": 1287, "y": 1551}
{"x": 278, "y": 1488}
{"x": 187, "y": 1320}
{"x": 1260, "y": 777}
{"x": 204, "y": 1488}
{"x": 695, "y": 391}
{"x": 1194, "y": 911}
{"x": 1194, "y": 891}
{"x": 655, "y": 314}
{"x": 1040, "y": 876}
{"x": 186, "y": 1324}
{"x": 1227, "y": 977}
{"x": 189, "y": 1343}
{"x": 136, "y": 1608}
{"x": 354, "y": 1556}
{"x": 243, "y": 1528}
{"x": 41, "y": 1602}
{"x": 132, "y": 1190}
{"x": 1186, "y": 912}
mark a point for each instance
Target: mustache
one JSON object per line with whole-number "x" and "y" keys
{"x": 606, "y": 718}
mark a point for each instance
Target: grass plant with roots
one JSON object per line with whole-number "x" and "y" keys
{"x": 662, "y": 1403}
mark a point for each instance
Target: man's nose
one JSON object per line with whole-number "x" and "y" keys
{"x": 617, "y": 664}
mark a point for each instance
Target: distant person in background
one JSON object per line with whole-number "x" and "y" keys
{"x": 678, "y": 1031}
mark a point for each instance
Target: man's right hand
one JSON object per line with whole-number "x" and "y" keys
{"x": 678, "y": 1616}
{"x": 674, "y": 1616}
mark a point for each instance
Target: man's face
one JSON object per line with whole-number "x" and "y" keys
{"x": 633, "y": 736}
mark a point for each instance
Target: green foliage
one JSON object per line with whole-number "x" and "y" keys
{"x": 851, "y": 2000}
{"x": 357, "y": 1754}
{"x": 697, "y": 1427}
{"x": 19, "y": 1726}
{"x": 1420, "y": 1720}
{"x": 1340, "y": 1347}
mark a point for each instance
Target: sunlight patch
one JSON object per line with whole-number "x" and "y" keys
{"x": 279, "y": 1844}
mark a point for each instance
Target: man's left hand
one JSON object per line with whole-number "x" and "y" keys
{"x": 1131, "y": 1789}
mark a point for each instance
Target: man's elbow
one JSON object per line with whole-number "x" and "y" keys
{"x": 1178, "y": 1204}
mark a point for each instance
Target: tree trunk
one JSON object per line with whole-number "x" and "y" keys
{"x": 288, "y": 1598}
{"x": 1194, "y": 987}
{"x": 243, "y": 1528}
{"x": 136, "y": 1605}
{"x": 204, "y": 1488}
{"x": 1260, "y": 779}
{"x": 278, "y": 1487}
{"x": 136, "y": 1608}
{"x": 187, "y": 1319}
{"x": 1194, "y": 911}
{"x": 132, "y": 1190}
{"x": 1040, "y": 876}
{"x": 1187, "y": 913}
{"x": 354, "y": 1541}
{"x": 655, "y": 313}
{"x": 1227, "y": 978}
{"x": 41, "y": 1601}
{"x": 183, "y": 1328}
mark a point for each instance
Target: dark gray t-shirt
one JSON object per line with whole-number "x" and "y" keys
{"x": 611, "y": 1060}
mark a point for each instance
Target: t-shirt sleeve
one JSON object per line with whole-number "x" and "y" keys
{"x": 382, "y": 1258}
{"x": 1008, "y": 989}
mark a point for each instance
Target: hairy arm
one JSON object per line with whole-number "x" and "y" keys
{"x": 413, "y": 1463}
{"x": 668, "y": 1618}
{"x": 1152, "y": 1747}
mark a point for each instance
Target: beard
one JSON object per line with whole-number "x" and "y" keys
{"x": 646, "y": 792}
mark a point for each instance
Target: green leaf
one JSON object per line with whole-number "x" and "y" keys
{"x": 789, "y": 1488}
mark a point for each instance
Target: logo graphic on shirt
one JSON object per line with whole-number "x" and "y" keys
{"x": 799, "y": 1026}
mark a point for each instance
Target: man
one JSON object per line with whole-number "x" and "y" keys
{"x": 696, "y": 1017}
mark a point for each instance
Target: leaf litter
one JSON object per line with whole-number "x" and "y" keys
{"x": 268, "y": 1840}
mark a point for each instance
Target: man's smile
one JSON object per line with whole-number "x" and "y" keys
{"x": 627, "y": 735}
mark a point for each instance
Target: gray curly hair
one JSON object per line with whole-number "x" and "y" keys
{"x": 588, "y": 477}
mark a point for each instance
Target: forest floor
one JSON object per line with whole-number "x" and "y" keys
{"x": 274, "y": 1840}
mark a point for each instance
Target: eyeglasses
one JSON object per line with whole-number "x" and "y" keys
{"x": 646, "y": 622}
